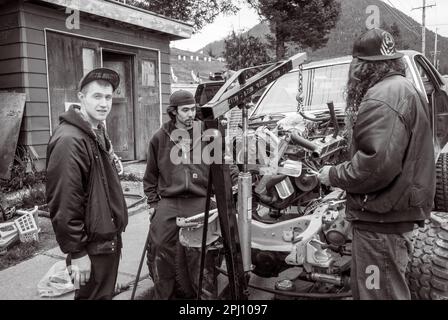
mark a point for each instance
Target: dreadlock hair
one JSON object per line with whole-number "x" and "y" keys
{"x": 362, "y": 76}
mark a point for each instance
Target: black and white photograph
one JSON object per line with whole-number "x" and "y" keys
{"x": 234, "y": 157}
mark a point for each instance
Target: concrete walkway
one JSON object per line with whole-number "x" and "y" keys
{"x": 20, "y": 281}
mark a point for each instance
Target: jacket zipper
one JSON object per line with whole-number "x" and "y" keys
{"x": 366, "y": 197}
{"x": 103, "y": 179}
{"x": 186, "y": 179}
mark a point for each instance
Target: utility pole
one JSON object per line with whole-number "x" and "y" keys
{"x": 435, "y": 50}
{"x": 424, "y": 24}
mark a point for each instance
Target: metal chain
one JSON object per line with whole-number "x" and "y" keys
{"x": 299, "y": 96}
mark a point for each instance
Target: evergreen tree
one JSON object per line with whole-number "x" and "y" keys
{"x": 304, "y": 22}
{"x": 243, "y": 51}
{"x": 197, "y": 12}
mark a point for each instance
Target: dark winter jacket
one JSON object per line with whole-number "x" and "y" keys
{"x": 163, "y": 177}
{"x": 391, "y": 176}
{"x": 87, "y": 207}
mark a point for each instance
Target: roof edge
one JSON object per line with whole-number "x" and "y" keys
{"x": 118, "y": 11}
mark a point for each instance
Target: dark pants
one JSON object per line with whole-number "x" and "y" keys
{"x": 103, "y": 277}
{"x": 164, "y": 236}
{"x": 379, "y": 264}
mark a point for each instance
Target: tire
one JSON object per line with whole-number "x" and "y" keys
{"x": 441, "y": 197}
{"x": 439, "y": 281}
{"x": 427, "y": 272}
{"x": 419, "y": 274}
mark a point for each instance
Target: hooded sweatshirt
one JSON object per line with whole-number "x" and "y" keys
{"x": 165, "y": 176}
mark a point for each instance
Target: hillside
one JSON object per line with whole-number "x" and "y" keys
{"x": 351, "y": 24}
{"x": 183, "y": 68}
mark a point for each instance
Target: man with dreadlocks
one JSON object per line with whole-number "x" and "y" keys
{"x": 390, "y": 177}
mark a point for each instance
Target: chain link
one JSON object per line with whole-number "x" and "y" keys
{"x": 299, "y": 96}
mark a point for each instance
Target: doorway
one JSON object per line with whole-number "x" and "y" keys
{"x": 120, "y": 122}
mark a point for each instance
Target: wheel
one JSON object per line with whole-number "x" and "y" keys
{"x": 441, "y": 197}
{"x": 427, "y": 272}
{"x": 439, "y": 281}
{"x": 419, "y": 269}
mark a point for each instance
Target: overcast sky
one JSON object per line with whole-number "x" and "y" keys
{"x": 247, "y": 18}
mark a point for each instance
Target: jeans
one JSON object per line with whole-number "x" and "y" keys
{"x": 379, "y": 264}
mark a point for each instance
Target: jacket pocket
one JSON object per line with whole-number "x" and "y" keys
{"x": 419, "y": 197}
{"x": 103, "y": 247}
{"x": 372, "y": 202}
{"x": 414, "y": 197}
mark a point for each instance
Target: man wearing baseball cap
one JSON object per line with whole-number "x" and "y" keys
{"x": 87, "y": 207}
{"x": 390, "y": 178}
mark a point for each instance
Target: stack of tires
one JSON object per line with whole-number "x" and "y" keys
{"x": 428, "y": 271}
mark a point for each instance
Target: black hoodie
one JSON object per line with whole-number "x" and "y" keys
{"x": 163, "y": 178}
{"x": 84, "y": 194}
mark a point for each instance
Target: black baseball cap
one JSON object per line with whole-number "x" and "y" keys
{"x": 375, "y": 45}
{"x": 105, "y": 74}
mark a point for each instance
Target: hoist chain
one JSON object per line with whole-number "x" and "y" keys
{"x": 299, "y": 96}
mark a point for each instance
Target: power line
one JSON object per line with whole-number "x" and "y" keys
{"x": 397, "y": 16}
{"x": 407, "y": 19}
{"x": 400, "y": 20}
{"x": 404, "y": 18}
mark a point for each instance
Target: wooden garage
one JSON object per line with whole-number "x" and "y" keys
{"x": 46, "y": 46}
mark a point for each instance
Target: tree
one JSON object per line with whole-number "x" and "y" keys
{"x": 210, "y": 52}
{"x": 243, "y": 51}
{"x": 198, "y": 12}
{"x": 305, "y": 22}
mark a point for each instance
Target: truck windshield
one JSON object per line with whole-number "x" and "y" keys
{"x": 320, "y": 85}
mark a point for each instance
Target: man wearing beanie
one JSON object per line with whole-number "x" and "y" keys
{"x": 390, "y": 179}
{"x": 176, "y": 186}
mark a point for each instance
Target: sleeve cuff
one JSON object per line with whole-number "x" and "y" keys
{"x": 332, "y": 176}
{"x": 153, "y": 204}
{"x": 77, "y": 255}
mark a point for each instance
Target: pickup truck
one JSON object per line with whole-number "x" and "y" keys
{"x": 325, "y": 81}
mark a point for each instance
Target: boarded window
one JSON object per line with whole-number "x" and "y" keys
{"x": 88, "y": 60}
{"x": 148, "y": 73}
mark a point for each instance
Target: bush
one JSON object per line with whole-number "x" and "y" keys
{"x": 20, "y": 178}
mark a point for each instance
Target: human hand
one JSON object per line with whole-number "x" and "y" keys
{"x": 152, "y": 207}
{"x": 324, "y": 175}
{"x": 151, "y": 211}
{"x": 80, "y": 270}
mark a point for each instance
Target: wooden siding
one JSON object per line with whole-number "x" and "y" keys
{"x": 23, "y": 69}
{"x": 29, "y": 65}
{"x": 23, "y": 65}
{"x": 9, "y": 18}
{"x": 130, "y": 15}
